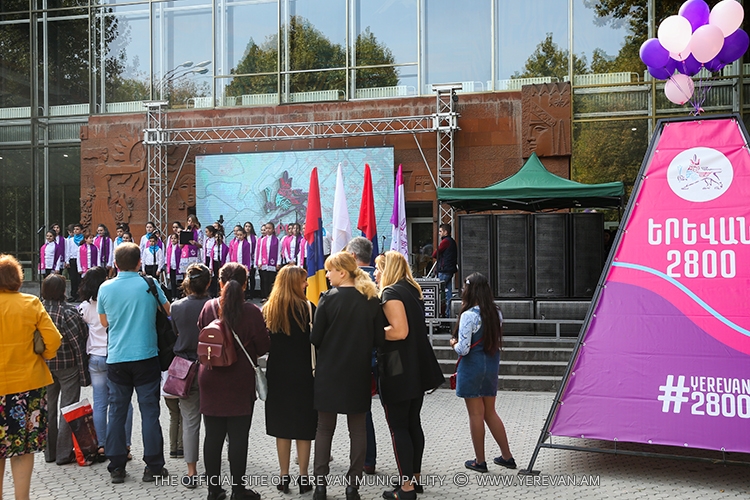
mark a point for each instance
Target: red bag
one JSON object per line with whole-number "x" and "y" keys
{"x": 215, "y": 344}
{"x": 80, "y": 417}
{"x": 452, "y": 379}
{"x": 180, "y": 377}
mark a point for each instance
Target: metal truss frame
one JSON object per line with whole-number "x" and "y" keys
{"x": 156, "y": 121}
{"x": 157, "y": 136}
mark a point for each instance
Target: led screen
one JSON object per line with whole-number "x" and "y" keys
{"x": 273, "y": 186}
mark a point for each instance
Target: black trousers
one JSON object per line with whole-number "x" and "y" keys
{"x": 407, "y": 435}
{"x": 213, "y": 288}
{"x": 218, "y": 428}
{"x": 75, "y": 278}
{"x": 266, "y": 282}
{"x": 251, "y": 283}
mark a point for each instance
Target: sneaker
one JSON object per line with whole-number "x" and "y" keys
{"x": 510, "y": 464}
{"x": 474, "y": 465}
{"x": 150, "y": 477}
{"x": 118, "y": 476}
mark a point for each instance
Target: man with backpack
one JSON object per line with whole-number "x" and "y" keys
{"x": 127, "y": 308}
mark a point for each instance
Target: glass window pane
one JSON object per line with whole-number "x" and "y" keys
{"x": 314, "y": 34}
{"x": 14, "y": 6}
{"x": 608, "y": 35}
{"x": 246, "y": 37}
{"x": 392, "y": 24}
{"x": 532, "y": 42}
{"x": 457, "y": 37}
{"x": 183, "y": 67}
{"x": 15, "y": 69}
{"x": 16, "y": 201}
{"x": 385, "y": 82}
{"x": 249, "y": 91}
{"x": 314, "y": 86}
{"x": 609, "y": 151}
{"x": 64, "y": 186}
{"x": 67, "y": 66}
{"x": 122, "y": 48}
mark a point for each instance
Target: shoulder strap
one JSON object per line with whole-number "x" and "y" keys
{"x": 243, "y": 349}
{"x": 309, "y": 308}
{"x": 152, "y": 291}
{"x": 470, "y": 348}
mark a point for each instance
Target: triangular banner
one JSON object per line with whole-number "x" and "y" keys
{"x": 664, "y": 354}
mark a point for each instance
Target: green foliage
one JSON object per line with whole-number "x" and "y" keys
{"x": 309, "y": 49}
{"x": 549, "y": 60}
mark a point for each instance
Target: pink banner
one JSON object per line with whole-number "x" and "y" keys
{"x": 666, "y": 356}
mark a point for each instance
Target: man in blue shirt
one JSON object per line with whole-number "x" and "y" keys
{"x": 127, "y": 308}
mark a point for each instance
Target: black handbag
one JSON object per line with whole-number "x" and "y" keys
{"x": 165, "y": 336}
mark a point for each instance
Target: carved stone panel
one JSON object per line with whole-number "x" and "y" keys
{"x": 546, "y": 119}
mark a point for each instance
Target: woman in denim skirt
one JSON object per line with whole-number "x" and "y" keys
{"x": 477, "y": 341}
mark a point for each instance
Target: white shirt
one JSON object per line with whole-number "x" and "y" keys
{"x": 97, "y": 341}
{"x": 49, "y": 256}
{"x": 149, "y": 258}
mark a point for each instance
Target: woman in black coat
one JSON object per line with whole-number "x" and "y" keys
{"x": 289, "y": 406}
{"x": 407, "y": 368}
{"x": 348, "y": 324}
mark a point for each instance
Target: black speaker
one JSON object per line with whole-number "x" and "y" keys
{"x": 512, "y": 256}
{"x": 587, "y": 234}
{"x": 550, "y": 255}
{"x": 474, "y": 245}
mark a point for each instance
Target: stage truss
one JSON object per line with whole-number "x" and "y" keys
{"x": 157, "y": 136}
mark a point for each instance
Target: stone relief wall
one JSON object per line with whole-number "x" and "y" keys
{"x": 546, "y": 120}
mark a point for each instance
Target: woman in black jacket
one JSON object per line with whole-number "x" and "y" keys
{"x": 348, "y": 324}
{"x": 407, "y": 368}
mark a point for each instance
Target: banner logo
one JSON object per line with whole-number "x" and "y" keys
{"x": 700, "y": 174}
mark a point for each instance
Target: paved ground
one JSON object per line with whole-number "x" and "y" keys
{"x": 448, "y": 446}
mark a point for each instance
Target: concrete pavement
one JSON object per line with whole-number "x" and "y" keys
{"x": 565, "y": 474}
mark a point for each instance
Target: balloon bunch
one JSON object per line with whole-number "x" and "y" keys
{"x": 696, "y": 38}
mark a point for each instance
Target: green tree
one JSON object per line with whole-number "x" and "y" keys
{"x": 310, "y": 49}
{"x": 550, "y": 60}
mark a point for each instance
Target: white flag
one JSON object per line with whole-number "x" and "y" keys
{"x": 342, "y": 228}
{"x": 399, "y": 240}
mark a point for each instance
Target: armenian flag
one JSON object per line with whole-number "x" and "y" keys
{"x": 316, "y": 273}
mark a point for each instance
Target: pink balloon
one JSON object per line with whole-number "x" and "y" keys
{"x": 706, "y": 42}
{"x": 674, "y": 33}
{"x": 679, "y": 88}
{"x": 726, "y": 15}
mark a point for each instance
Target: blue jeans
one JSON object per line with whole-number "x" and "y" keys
{"x": 447, "y": 278}
{"x": 145, "y": 377}
{"x": 98, "y": 371}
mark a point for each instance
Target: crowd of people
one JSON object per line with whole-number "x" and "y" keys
{"x": 366, "y": 336}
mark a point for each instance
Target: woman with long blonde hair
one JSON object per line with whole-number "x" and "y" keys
{"x": 348, "y": 324}
{"x": 289, "y": 406}
{"x": 407, "y": 368}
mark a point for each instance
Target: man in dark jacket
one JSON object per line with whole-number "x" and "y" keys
{"x": 446, "y": 255}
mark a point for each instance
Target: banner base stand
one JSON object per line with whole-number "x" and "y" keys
{"x": 526, "y": 472}
{"x": 634, "y": 453}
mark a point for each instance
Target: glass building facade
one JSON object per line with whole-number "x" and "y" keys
{"x": 64, "y": 60}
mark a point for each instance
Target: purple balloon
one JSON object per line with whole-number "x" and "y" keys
{"x": 695, "y": 11}
{"x": 715, "y": 65}
{"x": 653, "y": 54}
{"x": 689, "y": 66}
{"x": 660, "y": 73}
{"x": 735, "y": 46}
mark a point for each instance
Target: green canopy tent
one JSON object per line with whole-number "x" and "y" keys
{"x": 534, "y": 189}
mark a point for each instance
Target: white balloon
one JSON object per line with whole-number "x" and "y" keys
{"x": 682, "y": 55}
{"x": 727, "y": 15}
{"x": 674, "y": 33}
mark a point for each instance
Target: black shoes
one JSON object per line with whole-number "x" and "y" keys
{"x": 417, "y": 487}
{"x": 150, "y": 477}
{"x": 305, "y": 484}
{"x": 177, "y": 454}
{"x": 320, "y": 492}
{"x": 118, "y": 476}
{"x": 510, "y": 463}
{"x": 474, "y": 465}
{"x": 352, "y": 493}
{"x": 286, "y": 479}
{"x": 399, "y": 494}
{"x": 217, "y": 495}
{"x": 245, "y": 495}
